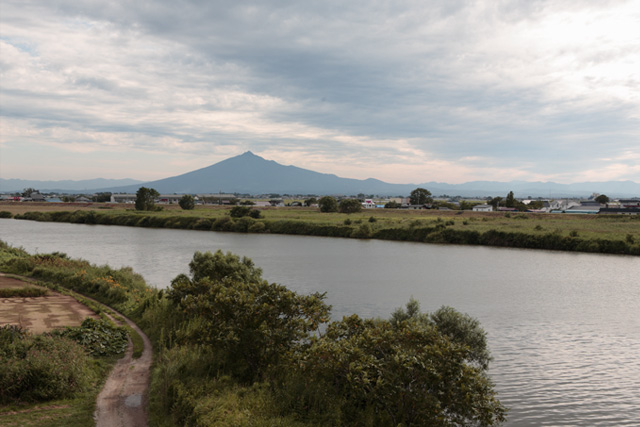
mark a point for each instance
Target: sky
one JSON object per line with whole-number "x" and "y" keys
{"x": 403, "y": 91}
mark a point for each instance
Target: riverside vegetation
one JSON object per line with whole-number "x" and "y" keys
{"x": 614, "y": 234}
{"x": 53, "y": 378}
{"x": 233, "y": 349}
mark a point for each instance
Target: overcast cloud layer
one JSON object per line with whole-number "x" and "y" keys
{"x": 403, "y": 91}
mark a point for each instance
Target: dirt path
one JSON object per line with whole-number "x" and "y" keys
{"x": 123, "y": 400}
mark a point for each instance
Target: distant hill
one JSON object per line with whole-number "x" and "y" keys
{"x": 251, "y": 174}
{"x": 88, "y": 185}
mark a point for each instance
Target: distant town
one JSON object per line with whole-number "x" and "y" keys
{"x": 595, "y": 204}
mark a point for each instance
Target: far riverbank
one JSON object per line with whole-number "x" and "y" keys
{"x": 609, "y": 234}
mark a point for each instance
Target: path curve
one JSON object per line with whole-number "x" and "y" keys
{"x": 123, "y": 400}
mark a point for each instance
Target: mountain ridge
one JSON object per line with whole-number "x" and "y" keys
{"x": 249, "y": 173}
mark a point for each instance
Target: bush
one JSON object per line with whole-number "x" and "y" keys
{"x": 187, "y": 202}
{"x": 349, "y": 206}
{"x": 6, "y": 214}
{"x": 239, "y": 211}
{"x": 400, "y": 372}
{"x": 98, "y": 337}
{"x": 247, "y": 321}
{"x": 328, "y": 204}
{"x": 41, "y": 368}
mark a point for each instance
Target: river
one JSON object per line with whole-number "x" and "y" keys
{"x": 563, "y": 328}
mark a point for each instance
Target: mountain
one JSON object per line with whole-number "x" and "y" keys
{"x": 251, "y": 174}
{"x": 88, "y": 185}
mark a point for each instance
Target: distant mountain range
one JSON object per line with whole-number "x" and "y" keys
{"x": 251, "y": 174}
{"x": 67, "y": 186}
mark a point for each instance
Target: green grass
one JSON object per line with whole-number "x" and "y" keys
{"x": 24, "y": 292}
{"x": 77, "y": 411}
{"x": 591, "y": 233}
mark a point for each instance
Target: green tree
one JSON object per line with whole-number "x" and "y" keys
{"x": 310, "y": 201}
{"x": 145, "y": 199}
{"x": 102, "y": 197}
{"x": 602, "y": 199}
{"x": 28, "y": 191}
{"x": 420, "y": 196}
{"x": 392, "y": 205}
{"x": 415, "y": 369}
{"x": 187, "y": 202}
{"x": 239, "y": 211}
{"x": 250, "y": 323}
{"x": 349, "y": 206}
{"x": 510, "y": 201}
{"x": 495, "y": 202}
{"x": 328, "y": 204}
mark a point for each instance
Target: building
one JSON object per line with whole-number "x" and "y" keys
{"x": 483, "y": 208}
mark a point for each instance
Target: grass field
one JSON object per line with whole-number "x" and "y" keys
{"x": 614, "y": 228}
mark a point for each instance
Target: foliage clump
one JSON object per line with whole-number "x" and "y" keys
{"x": 97, "y": 337}
{"x": 40, "y": 368}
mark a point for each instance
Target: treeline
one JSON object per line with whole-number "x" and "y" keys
{"x": 436, "y": 233}
{"x": 232, "y": 349}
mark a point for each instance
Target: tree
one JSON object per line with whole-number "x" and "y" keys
{"x": 102, "y": 197}
{"x": 328, "y": 204}
{"x": 495, "y": 202}
{"x": 349, "y": 206}
{"x": 420, "y": 196}
{"x": 310, "y": 201}
{"x": 510, "y": 201}
{"x": 28, "y": 191}
{"x": 602, "y": 199}
{"x": 145, "y": 199}
{"x": 187, "y": 202}
{"x": 249, "y": 323}
{"x": 392, "y": 205}
{"x": 414, "y": 369}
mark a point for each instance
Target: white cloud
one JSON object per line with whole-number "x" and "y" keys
{"x": 402, "y": 91}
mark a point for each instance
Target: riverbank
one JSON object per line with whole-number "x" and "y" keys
{"x": 234, "y": 349}
{"x": 612, "y": 234}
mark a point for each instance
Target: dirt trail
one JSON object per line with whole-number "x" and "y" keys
{"x": 123, "y": 400}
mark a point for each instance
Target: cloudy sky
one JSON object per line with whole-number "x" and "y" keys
{"x": 403, "y": 91}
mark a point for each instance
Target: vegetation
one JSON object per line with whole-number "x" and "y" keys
{"x": 595, "y": 233}
{"x": 602, "y": 199}
{"x": 420, "y": 196}
{"x": 24, "y": 292}
{"x": 187, "y": 202}
{"x": 328, "y": 204}
{"x": 145, "y": 199}
{"x": 349, "y": 206}
{"x": 232, "y": 349}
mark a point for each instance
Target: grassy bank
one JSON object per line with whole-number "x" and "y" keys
{"x": 614, "y": 234}
{"x": 232, "y": 349}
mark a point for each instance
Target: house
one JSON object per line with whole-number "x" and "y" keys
{"x": 629, "y": 203}
{"x": 368, "y": 204}
{"x": 37, "y": 197}
{"x": 483, "y": 208}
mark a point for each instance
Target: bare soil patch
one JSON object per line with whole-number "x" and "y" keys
{"x": 41, "y": 314}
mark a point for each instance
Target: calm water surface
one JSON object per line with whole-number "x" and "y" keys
{"x": 564, "y": 329}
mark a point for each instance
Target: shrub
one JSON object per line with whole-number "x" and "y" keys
{"x": 41, "y": 368}
{"x": 187, "y": 202}
{"x": 349, "y": 206}
{"x": 6, "y": 214}
{"x": 98, "y": 337}
{"x": 414, "y": 371}
{"x": 328, "y": 204}
{"x": 239, "y": 211}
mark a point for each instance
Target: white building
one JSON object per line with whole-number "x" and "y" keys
{"x": 483, "y": 208}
